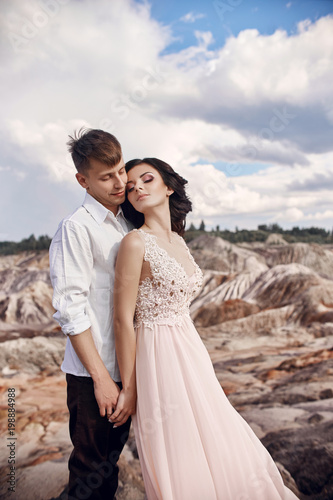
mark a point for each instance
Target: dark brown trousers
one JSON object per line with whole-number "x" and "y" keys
{"x": 93, "y": 470}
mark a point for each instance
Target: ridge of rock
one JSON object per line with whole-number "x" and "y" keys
{"x": 212, "y": 252}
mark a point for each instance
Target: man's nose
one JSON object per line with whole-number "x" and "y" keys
{"x": 120, "y": 182}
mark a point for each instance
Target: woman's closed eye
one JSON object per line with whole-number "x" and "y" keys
{"x": 147, "y": 178}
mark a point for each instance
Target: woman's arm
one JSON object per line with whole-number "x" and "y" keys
{"x": 127, "y": 278}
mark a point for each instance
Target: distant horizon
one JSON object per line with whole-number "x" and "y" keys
{"x": 207, "y": 229}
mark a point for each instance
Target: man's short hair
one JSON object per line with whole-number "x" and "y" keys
{"x": 93, "y": 143}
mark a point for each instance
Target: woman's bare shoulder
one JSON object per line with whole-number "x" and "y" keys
{"x": 133, "y": 241}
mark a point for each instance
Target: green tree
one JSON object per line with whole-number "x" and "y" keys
{"x": 263, "y": 227}
{"x": 275, "y": 228}
{"x": 27, "y": 244}
{"x": 202, "y": 226}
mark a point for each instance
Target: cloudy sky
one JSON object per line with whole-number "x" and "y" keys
{"x": 235, "y": 94}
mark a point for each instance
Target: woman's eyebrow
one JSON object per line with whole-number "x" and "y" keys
{"x": 145, "y": 174}
{"x": 140, "y": 176}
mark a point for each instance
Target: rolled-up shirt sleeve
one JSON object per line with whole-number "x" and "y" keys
{"x": 71, "y": 263}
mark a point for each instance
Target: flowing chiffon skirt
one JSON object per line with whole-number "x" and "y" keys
{"x": 192, "y": 444}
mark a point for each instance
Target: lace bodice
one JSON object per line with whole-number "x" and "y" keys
{"x": 165, "y": 297}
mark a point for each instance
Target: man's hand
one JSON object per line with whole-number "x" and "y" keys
{"x": 126, "y": 407}
{"x": 106, "y": 394}
{"x": 105, "y": 389}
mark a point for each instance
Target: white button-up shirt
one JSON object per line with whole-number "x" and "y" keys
{"x": 82, "y": 263}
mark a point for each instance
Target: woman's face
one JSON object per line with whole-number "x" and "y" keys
{"x": 145, "y": 188}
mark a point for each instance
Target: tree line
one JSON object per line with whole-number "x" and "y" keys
{"x": 27, "y": 244}
{"x": 294, "y": 235}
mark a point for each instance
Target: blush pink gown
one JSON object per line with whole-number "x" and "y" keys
{"x": 192, "y": 443}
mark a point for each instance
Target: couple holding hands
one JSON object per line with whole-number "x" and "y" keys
{"x": 123, "y": 281}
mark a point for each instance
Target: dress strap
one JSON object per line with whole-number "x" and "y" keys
{"x": 149, "y": 243}
{"x": 142, "y": 233}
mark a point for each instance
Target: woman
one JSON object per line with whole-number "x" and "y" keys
{"x": 192, "y": 443}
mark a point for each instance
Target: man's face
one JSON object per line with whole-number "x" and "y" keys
{"x": 104, "y": 183}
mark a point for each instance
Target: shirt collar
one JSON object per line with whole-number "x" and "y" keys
{"x": 97, "y": 210}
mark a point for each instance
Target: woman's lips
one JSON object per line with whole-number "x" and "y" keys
{"x": 142, "y": 196}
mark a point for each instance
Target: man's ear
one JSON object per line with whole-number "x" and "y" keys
{"x": 81, "y": 179}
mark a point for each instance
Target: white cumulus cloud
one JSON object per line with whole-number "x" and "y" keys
{"x": 259, "y": 99}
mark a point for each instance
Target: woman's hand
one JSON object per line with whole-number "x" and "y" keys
{"x": 126, "y": 406}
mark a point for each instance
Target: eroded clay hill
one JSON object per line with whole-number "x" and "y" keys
{"x": 265, "y": 314}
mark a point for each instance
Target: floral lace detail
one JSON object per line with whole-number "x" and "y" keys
{"x": 165, "y": 297}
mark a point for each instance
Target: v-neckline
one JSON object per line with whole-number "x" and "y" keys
{"x": 171, "y": 257}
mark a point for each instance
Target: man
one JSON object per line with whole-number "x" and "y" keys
{"x": 82, "y": 258}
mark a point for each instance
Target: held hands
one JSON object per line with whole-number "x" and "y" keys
{"x": 126, "y": 406}
{"x": 106, "y": 394}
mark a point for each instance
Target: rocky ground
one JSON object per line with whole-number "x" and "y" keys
{"x": 42, "y": 444}
{"x": 265, "y": 316}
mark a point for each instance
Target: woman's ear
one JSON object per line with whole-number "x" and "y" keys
{"x": 169, "y": 191}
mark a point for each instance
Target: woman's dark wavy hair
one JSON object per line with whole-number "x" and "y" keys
{"x": 179, "y": 203}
